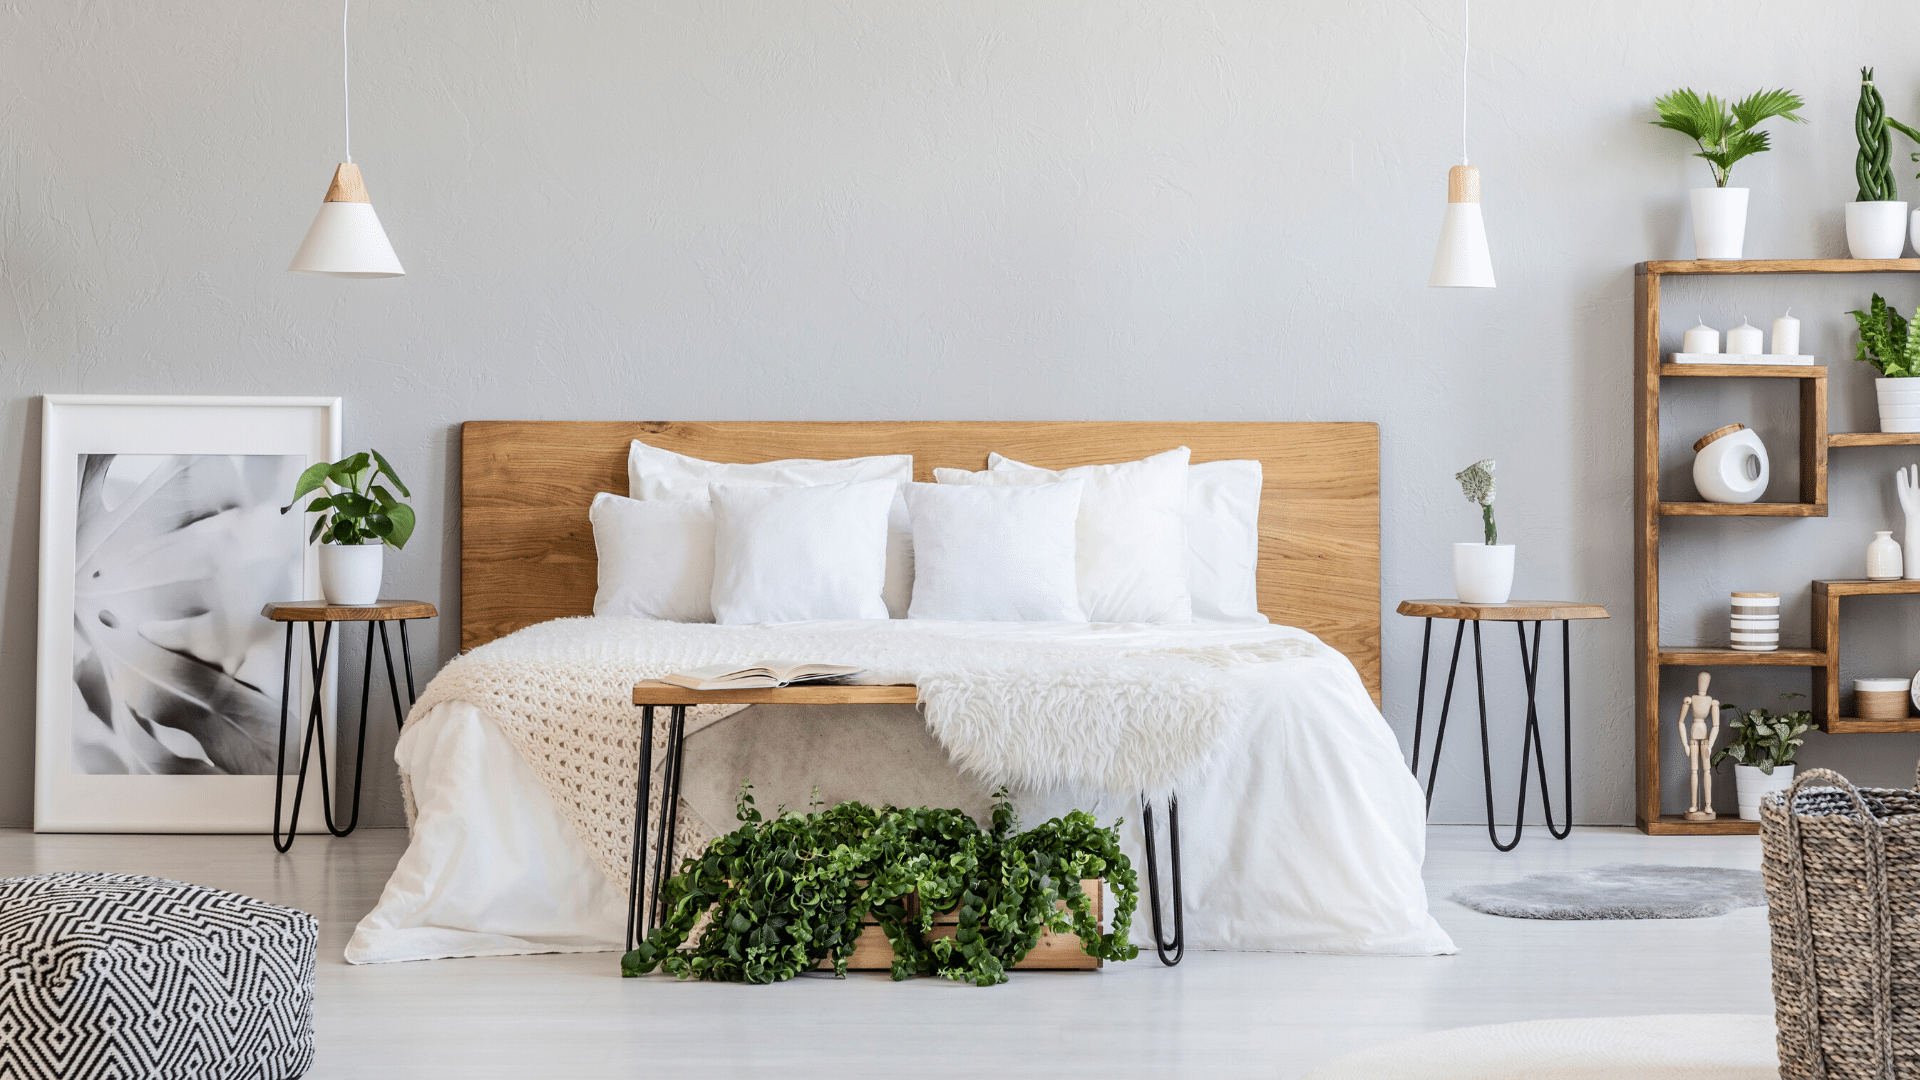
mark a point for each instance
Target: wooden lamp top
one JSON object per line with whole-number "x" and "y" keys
{"x": 347, "y": 185}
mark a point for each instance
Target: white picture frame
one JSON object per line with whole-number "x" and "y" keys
{"x": 155, "y": 779}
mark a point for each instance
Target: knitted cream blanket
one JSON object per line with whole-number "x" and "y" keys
{"x": 1031, "y": 711}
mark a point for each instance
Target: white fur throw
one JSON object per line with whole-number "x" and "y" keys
{"x": 1018, "y": 709}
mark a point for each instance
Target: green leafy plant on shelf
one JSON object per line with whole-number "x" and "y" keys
{"x": 1873, "y": 165}
{"x": 1765, "y": 740}
{"x": 1726, "y": 133}
{"x": 1476, "y": 482}
{"x": 353, "y": 506}
{"x": 781, "y": 895}
{"x": 1885, "y": 343}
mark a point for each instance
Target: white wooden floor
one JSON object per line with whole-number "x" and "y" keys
{"x": 1217, "y": 1015}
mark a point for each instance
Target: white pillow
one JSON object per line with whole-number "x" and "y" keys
{"x": 1223, "y": 540}
{"x": 788, "y": 554}
{"x": 656, "y": 559}
{"x": 1132, "y": 546}
{"x": 995, "y": 553}
{"x": 656, "y": 474}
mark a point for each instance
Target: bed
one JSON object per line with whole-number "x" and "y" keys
{"x": 1307, "y": 834}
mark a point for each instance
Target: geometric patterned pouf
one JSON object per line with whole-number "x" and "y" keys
{"x": 118, "y": 976}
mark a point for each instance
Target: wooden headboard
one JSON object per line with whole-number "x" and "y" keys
{"x": 526, "y": 549}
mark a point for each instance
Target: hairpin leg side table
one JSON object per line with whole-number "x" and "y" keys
{"x": 320, "y": 613}
{"x": 1532, "y": 745}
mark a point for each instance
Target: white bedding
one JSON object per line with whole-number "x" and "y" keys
{"x": 1306, "y": 834}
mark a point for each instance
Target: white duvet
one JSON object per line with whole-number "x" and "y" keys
{"x": 1305, "y": 834}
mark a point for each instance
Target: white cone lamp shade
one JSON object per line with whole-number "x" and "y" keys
{"x": 346, "y": 239}
{"x": 1462, "y": 260}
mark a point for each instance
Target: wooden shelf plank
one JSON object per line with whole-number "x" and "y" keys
{"x": 1720, "y": 656}
{"x": 1746, "y": 371}
{"x": 1781, "y": 266}
{"x": 1853, "y": 725}
{"x": 1865, "y": 587}
{"x": 1874, "y": 438}
{"x": 1753, "y": 509}
{"x": 1678, "y": 825}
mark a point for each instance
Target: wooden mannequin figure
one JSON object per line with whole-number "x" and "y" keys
{"x": 1695, "y": 712}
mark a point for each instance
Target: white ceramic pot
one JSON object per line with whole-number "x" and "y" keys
{"x": 1751, "y": 785}
{"x": 1913, "y": 233}
{"x": 1897, "y": 399}
{"x": 1883, "y": 557}
{"x": 350, "y": 573}
{"x": 1730, "y": 466}
{"x": 1719, "y": 222}
{"x": 1876, "y": 230}
{"x": 1483, "y": 573}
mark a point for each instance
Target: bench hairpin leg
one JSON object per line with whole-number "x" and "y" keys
{"x": 1178, "y": 946}
{"x": 636, "y": 866}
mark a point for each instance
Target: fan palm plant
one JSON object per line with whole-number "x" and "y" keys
{"x": 1724, "y": 133}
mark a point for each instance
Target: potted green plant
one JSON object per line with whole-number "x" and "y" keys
{"x": 1762, "y": 750}
{"x": 1482, "y": 571}
{"x": 1725, "y": 134}
{"x": 1876, "y": 220}
{"x": 358, "y": 519}
{"x": 1895, "y": 354}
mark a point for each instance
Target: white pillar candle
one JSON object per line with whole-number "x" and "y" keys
{"x": 1786, "y": 335}
{"x": 1744, "y": 340}
{"x": 1701, "y": 339}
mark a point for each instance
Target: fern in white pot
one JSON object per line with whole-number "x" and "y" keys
{"x": 1482, "y": 572}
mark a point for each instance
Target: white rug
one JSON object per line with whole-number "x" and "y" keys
{"x": 1718, "y": 1047}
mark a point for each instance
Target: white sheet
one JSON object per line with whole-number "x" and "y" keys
{"x": 1306, "y": 836}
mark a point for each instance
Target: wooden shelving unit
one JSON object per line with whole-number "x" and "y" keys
{"x": 1823, "y": 659}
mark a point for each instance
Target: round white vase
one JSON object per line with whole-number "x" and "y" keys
{"x": 1483, "y": 573}
{"x": 1751, "y": 785}
{"x": 1719, "y": 222}
{"x": 1876, "y": 230}
{"x": 1730, "y": 465}
{"x": 1883, "y": 557}
{"x": 350, "y": 573}
{"x": 1899, "y": 401}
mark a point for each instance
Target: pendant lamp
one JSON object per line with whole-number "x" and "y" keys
{"x": 346, "y": 239}
{"x": 1462, "y": 260}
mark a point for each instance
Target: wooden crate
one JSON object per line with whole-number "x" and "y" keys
{"x": 1055, "y": 952}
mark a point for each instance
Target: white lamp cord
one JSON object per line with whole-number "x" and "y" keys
{"x": 346, "y": 100}
{"x": 1466, "y": 47}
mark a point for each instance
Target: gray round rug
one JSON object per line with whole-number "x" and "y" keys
{"x": 1620, "y": 891}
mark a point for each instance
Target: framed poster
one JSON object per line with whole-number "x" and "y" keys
{"x": 161, "y": 537}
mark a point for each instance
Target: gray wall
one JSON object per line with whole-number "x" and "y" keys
{"x": 874, "y": 209}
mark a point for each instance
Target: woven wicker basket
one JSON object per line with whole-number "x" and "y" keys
{"x": 1842, "y": 870}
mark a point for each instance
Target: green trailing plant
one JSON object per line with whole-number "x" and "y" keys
{"x": 1884, "y": 341}
{"x": 1873, "y": 165}
{"x": 352, "y": 504}
{"x": 1476, "y": 481}
{"x": 781, "y": 895}
{"x": 1724, "y": 133}
{"x": 1765, "y": 740}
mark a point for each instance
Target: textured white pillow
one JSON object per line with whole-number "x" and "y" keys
{"x": 787, "y": 554}
{"x": 1132, "y": 549}
{"x": 656, "y": 474}
{"x": 1223, "y": 540}
{"x": 656, "y": 559}
{"x": 1001, "y": 553}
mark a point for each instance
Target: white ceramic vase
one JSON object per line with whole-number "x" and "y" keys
{"x": 1750, "y": 784}
{"x": 1876, "y": 230}
{"x": 1731, "y": 467}
{"x": 1899, "y": 404}
{"x": 1883, "y": 557}
{"x": 1719, "y": 222}
{"x": 350, "y": 573}
{"x": 1483, "y": 573}
{"x": 1913, "y": 232}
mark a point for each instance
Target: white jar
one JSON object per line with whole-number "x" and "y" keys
{"x": 1730, "y": 465}
{"x": 1483, "y": 573}
{"x": 1876, "y": 230}
{"x": 1719, "y": 222}
{"x": 1883, "y": 558}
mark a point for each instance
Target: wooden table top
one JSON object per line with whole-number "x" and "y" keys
{"x": 1511, "y": 611}
{"x": 321, "y": 611}
{"x": 653, "y": 692}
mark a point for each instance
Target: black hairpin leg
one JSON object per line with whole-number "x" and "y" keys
{"x": 669, "y": 812}
{"x": 636, "y": 919}
{"x": 1530, "y": 665}
{"x": 317, "y": 657}
{"x": 1446, "y": 705}
{"x": 406, "y": 654}
{"x": 1178, "y": 946}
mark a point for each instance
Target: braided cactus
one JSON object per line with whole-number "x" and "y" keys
{"x": 1873, "y": 165}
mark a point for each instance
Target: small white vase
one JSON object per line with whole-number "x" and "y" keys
{"x": 1730, "y": 467}
{"x": 1883, "y": 557}
{"x": 1876, "y": 230}
{"x": 1750, "y": 784}
{"x": 350, "y": 573}
{"x": 1896, "y": 398}
{"x": 1719, "y": 222}
{"x": 1483, "y": 573}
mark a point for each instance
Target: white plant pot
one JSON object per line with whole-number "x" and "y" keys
{"x": 1483, "y": 573}
{"x": 1719, "y": 222}
{"x": 1732, "y": 468}
{"x": 1897, "y": 399}
{"x": 1750, "y": 784}
{"x": 350, "y": 574}
{"x": 1876, "y": 230}
{"x": 1914, "y": 232}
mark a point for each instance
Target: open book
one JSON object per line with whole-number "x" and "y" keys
{"x": 770, "y": 673}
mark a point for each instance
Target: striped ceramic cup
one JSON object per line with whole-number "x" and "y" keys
{"x": 1756, "y": 622}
